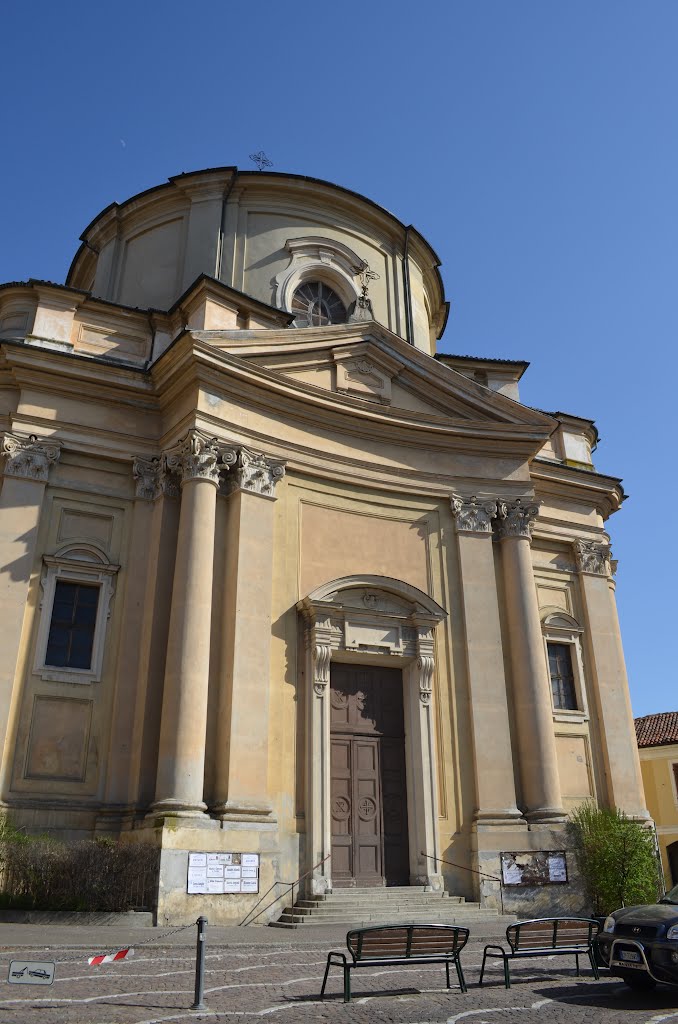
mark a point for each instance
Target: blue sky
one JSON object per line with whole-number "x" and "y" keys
{"x": 533, "y": 142}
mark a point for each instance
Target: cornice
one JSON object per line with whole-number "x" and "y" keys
{"x": 193, "y": 361}
{"x": 604, "y": 493}
{"x": 86, "y": 378}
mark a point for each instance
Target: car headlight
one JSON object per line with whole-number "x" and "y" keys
{"x": 672, "y": 933}
{"x": 609, "y": 924}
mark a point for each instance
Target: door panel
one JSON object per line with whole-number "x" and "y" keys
{"x": 368, "y": 786}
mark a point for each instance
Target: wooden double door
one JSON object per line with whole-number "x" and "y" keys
{"x": 368, "y": 787}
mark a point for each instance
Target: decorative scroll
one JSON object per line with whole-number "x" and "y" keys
{"x": 473, "y": 515}
{"x": 256, "y": 473}
{"x": 594, "y": 557}
{"x": 322, "y": 654}
{"x": 516, "y": 518}
{"x": 425, "y": 663}
{"x": 29, "y": 457}
{"x": 147, "y": 474}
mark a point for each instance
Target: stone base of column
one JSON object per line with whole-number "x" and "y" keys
{"x": 176, "y": 809}
{"x": 251, "y": 811}
{"x": 503, "y": 818}
{"x": 546, "y": 816}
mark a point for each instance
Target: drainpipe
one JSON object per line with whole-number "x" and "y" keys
{"x": 409, "y": 327}
{"x": 222, "y": 229}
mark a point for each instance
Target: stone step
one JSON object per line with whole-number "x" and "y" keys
{"x": 404, "y": 901}
{"x": 422, "y": 909}
{"x": 312, "y": 921}
{"x": 351, "y": 895}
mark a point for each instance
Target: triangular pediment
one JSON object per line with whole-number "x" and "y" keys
{"x": 378, "y": 369}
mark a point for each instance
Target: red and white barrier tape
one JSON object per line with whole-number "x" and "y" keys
{"x": 108, "y": 958}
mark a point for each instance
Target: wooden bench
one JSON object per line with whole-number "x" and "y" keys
{"x": 545, "y": 937}
{"x": 400, "y": 944}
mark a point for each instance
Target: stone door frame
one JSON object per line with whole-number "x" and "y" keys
{"x": 372, "y": 620}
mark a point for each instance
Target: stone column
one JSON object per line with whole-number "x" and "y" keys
{"x": 493, "y": 755}
{"x": 181, "y": 757}
{"x": 623, "y": 779}
{"x": 531, "y": 684}
{"x": 27, "y": 461}
{"x": 241, "y": 776}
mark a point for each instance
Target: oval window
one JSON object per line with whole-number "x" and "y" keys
{"x": 316, "y": 305}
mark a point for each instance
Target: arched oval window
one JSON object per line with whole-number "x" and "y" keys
{"x": 315, "y": 304}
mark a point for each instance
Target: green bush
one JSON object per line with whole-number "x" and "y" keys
{"x": 616, "y": 858}
{"x": 41, "y": 873}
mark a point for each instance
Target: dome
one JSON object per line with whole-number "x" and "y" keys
{"x": 281, "y": 239}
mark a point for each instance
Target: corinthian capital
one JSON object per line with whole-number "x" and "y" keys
{"x": 472, "y": 515}
{"x": 197, "y": 457}
{"x": 256, "y": 473}
{"x": 594, "y": 557}
{"x": 29, "y": 457}
{"x": 516, "y": 518}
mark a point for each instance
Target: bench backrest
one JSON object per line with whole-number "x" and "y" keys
{"x": 552, "y": 933}
{"x": 405, "y": 941}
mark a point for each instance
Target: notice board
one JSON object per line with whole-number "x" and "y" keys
{"x": 222, "y": 873}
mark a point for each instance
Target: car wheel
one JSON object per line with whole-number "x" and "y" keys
{"x": 639, "y": 982}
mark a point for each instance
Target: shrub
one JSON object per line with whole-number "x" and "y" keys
{"x": 42, "y": 873}
{"x": 616, "y": 858}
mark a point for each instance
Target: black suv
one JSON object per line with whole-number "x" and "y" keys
{"x": 640, "y": 944}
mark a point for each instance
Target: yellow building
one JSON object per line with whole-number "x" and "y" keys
{"x": 657, "y": 737}
{"x": 280, "y": 579}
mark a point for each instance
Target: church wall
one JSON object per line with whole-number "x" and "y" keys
{"x": 60, "y": 753}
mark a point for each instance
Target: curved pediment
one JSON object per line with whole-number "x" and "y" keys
{"x": 381, "y": 594}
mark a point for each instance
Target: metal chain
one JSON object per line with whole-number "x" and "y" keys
{"x": 133, "y": 945}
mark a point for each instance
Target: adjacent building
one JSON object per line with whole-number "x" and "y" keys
{"x": 657, "y": 737}
{"x": 281, "y": 579}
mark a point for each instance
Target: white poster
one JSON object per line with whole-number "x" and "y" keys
{"x": 219, "y": 873}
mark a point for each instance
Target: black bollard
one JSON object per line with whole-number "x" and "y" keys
{"x": 198, "y": 1003}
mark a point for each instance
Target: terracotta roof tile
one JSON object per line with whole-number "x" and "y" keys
{"x": 657, "y": 730}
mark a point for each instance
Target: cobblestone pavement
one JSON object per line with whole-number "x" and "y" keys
{"x": 281, "y": 981}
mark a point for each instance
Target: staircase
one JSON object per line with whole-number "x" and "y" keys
{"x": 392, "y": 905}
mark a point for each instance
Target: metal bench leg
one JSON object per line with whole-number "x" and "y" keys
{"x": 507, "y": 973}
{"x": 482, "y": 967}
{"x": 347, "y": 983}
{"x": 576, "y": 957}
{"x": 447, "y": 972}
{"x": 327, "y": 971}
{"x": 460, "y": 975}
{"x": 594, "y": 965}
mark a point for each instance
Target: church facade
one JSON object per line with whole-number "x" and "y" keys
{"x": 278, "y": 579}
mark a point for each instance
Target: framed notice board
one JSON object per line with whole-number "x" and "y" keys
{"x": 222, "y": 873}
{"x": 536, "y": 867}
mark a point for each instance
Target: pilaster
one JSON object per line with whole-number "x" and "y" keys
{"x": 623, "y": 781}
{"x": 27, "y": 462}
{"x": 495, "y": 786}
{"x": 241, "y": 778}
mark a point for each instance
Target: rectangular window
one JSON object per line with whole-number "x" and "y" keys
{"x": 562, "y": 677}
{"x": 71, "y": 629}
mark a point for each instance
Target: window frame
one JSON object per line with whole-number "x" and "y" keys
{"x": 560, "y": 628}
{"x": 80, "y": 564}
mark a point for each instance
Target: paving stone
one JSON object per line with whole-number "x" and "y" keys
{"x": 250, "y": 975}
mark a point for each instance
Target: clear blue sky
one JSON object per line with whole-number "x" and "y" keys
{"x": 533, "y": 142}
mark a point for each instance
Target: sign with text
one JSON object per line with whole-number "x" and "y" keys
{"x": 31, "y": 972}
{"x": 221, "y": 873}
